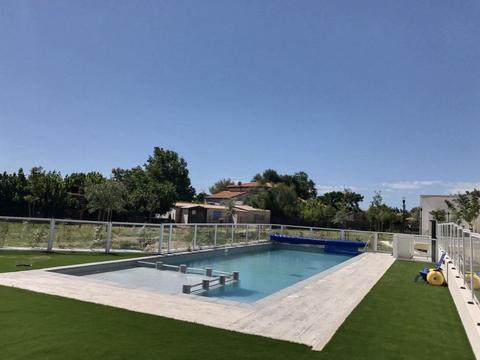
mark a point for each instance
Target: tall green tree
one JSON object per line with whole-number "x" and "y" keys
{"x": 166, "y": 165}
{"x": 466, "y": 207}
{"x": 75, "y": 184}
{"x": 12, "y": 193}
{"x": 106, "y": 198}
{"x": 439, "y": 215}
{"x": 46, "y": 193}
{"x": 281, "y": 200}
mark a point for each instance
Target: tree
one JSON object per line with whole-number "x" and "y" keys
{"x": 281, "y": 200}
{"x": 146, "y": 195}
{"x": 466, "y": 207}
{"x": 45, "y": 193}
{"x": 230, "y": 211}
{"x": 75, "y": 185}
{"x": 166, "y": 165}
{"x": 152, "y": 197}
{"x": 313, "y": 211}
{"x": 304, "y": 186}
{"x": 268, "y": 176}
{"x": 12, "y": 193}
{"x": 106, "y": 198}
{"x": 220, "y": 185}
{"x": 342, "y": 216}
{"x": 346, "y": 198}
{"x": 200, "y": 197}
{"x": 439, "y": 215}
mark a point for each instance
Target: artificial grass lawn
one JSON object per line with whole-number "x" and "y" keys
{"x": 40, "y": 259}
{"x": 398, "y": 319}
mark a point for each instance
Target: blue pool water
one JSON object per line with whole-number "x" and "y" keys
{"x": 265, "y": 272}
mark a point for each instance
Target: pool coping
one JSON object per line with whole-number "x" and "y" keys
{"x": 260, "y": 303}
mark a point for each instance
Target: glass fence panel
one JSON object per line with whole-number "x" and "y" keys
{"x": 224, "y": 234}
{"x": 366, "y": 237}
{"x": 140, "y": 237}
{"x": 73, "y": 235}
{"x": 385, "y": 242}
{"x": 468, "y": 259}
{"x": 240, "y": 234}
{"x": 327, "y": 234}
{"x": 422, "y": 246}
{"x": 182, "y": 238}
{"x": 205, "y": 236}
{"x": 476, "y": 267}
{"x": 24, "y": 233}
{"x": 297, "y": 231}
{"x": 264, "y": 232}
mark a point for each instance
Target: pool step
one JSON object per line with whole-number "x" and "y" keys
{"x": 221, "y": 279}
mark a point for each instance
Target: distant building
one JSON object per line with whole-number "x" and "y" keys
{"x": 206, "y": 213}
{"x": 237, "y": 192}
{"x": 429, "y": 203}
{"x": 223, "y": 197}
{"x": 246, "y": 187}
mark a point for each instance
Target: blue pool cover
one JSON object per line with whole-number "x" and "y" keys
{"x": 333, "y": 246}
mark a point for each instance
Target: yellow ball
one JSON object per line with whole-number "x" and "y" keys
{"x": 435, "y": 278}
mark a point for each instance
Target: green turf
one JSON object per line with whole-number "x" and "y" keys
{"x": 14, "y": 260}
{"x": 398, "y": 319}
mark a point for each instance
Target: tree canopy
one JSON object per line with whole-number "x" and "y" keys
{"x": 220, "y": 185}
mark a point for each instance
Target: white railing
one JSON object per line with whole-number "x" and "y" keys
{"x": 84, "y": 235}
{"x": 463, "y": 248}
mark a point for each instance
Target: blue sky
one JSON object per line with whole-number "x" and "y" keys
{"x": 372, "y": 95}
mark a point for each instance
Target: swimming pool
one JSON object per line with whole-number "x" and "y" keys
{"x": 263, "y": 271}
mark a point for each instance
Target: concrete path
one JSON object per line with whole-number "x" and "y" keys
{"x": 308, "y": 312}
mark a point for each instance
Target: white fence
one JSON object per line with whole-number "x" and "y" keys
{"x": 82, "y": 235}
{"x": 463, "y": 247}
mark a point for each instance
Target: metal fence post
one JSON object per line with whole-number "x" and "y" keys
{"x": 342, "y": 234}
{"x": 375, "y": 241}
{"x": 281, "y": 229}
{"x": 246, "y": 233}
{"x": 233, "y": 233}
{"x": 108, "y": 245}
{"x": 160, "y": 239}
{"x": 170, "y": 238}
{"x": 194, "y": 237}
{"x": 471, "y": 269}
{"x": 215, "y": 236}
{"x": 463, "y": 256}
{"x": 258, "y": 232}
{"x": 51, "y": 234}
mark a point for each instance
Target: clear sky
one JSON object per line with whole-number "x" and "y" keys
{"x": 366, "y": 94}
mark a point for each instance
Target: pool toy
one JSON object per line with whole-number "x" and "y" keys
{"x": 433, "y": 276}
{"x": 476, "y": 279}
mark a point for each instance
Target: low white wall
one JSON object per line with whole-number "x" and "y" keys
{"x": 403, "y": 246}
{"x": 469, "y": 313}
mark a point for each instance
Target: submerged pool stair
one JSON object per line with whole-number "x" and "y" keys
{"x": 349, "y": 247}
{"x": 215, "y": 278}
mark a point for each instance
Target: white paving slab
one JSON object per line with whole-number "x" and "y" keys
{"x": 308, "y": 312}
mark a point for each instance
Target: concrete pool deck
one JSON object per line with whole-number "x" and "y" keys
{"x": 308, "y": 312}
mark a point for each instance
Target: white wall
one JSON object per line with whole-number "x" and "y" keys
{"x": 429, "y": 203}
{"x": 437, "y": 202}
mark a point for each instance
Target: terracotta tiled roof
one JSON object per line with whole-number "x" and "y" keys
{"x": 193, "y": 205}
{"x": 245, "y": 185}
{"x": 226, "y": 195}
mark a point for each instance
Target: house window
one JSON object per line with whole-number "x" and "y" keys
{"x": 217, "y": 214}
